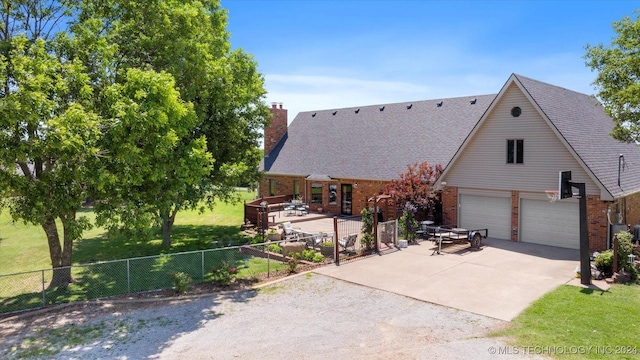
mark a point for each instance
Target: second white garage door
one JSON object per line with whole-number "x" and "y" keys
{"x": 486, "y": 212}
{"x": 547, "y": 223}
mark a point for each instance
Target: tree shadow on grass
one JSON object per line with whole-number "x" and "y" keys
{"x": 123, "y": 245}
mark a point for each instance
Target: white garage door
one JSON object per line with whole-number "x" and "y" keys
{"x": 486, "y": 212}
{"x": 547, "y": 223}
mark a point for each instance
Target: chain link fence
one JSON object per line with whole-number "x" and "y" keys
{"x": 36, "y": 289}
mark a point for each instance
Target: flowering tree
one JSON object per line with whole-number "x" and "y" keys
{"x": 416, "y": 186}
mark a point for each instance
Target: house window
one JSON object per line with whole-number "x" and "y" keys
{"x": 296, "y": 188}
{"x": 515, "y": 151}
{"x": 316, "y": 193}
{"x": 333, "y": 194}
{"x": 272, "y": 187}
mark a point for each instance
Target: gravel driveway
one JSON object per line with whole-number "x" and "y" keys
{"x": 309, "y": 316}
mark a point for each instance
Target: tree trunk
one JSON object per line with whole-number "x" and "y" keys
{"x": 61, "y": 275}
{"x": 167, "y": 226}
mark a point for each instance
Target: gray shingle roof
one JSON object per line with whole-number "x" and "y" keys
{"x": 581, "y": 120}
{"x": 378, "y": 142}
{"x": 375, "y": 142}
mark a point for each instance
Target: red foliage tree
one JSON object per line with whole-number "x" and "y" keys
{"x": 416, "y": 186}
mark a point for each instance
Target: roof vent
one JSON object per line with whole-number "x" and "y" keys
{"x": 473, "y": 101}
{"x": 313, "y": 115}
{"x": 357, "y": 111}
{"x": 409, "y": 106}
{"x": 335, "y": 112}
{"x": 439, "y": 104}
{"x": 382, "y": 108}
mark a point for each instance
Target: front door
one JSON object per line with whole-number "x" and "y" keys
{"x": 346, "y": 199}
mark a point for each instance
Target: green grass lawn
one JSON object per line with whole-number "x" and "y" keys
{"x": 24, "y": 247}
{"x": 600, "y": 324}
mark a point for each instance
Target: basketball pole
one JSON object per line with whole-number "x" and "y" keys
{"x": 585, "y": 262}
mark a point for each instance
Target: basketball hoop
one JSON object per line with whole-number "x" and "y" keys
{"x": 552, "y": 195}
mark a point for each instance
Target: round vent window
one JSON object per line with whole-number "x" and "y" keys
{"x": 516, "y": 111}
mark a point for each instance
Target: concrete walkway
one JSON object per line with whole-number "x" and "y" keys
{"x": 499, "y": 280}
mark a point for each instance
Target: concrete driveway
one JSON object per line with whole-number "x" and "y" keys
{"x": 499, "y": 280}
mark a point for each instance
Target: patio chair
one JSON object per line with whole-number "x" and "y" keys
{"x": 317, "y": 239}
{"x": 289, "y": 232}
{"x": 348, "y": 242}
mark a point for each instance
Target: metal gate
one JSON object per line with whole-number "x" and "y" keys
{"x": 387, "y": 236}
{"x": 351, "y": 243}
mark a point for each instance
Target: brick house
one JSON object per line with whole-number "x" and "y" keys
{"x": 500, "y": 152}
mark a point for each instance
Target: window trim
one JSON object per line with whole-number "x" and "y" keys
{"x": 272, "y": 187}
{"x": 334, "y": 188}
{"x": 515, "y": 151}
{"x": 315, "y": 186}
{"x": 296, "y": 188}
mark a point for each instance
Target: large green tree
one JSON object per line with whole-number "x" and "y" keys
{"x": 151, "y": 159}
{"x": 188, "y": 39}
{"x": 74, "y": 125}
{"x": 618, "y": 79}
{"x": 49, "y": 137}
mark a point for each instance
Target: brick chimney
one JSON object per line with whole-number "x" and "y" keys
{"x": 276, "y": 130}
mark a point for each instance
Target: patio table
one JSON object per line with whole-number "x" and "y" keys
{"x": 302, "y": 210}
{"x": 290, "y": 209}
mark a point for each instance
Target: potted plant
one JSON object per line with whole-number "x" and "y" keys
{"x": 327, "y": 248}
{"x": 273, "y": 235}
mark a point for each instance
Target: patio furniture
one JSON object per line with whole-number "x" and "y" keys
{"x": 423, "y": 231}
{"x": 290, "y": 209}
{"x": 348, "y": 242}
{"x": 302, "y": 210}
{"x": 317, "y": 239}
{"x": 289, "y": 232}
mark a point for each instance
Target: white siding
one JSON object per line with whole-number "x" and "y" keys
{"x": 483, "y": 165}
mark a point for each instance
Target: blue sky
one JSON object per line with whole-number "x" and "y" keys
{"x": 332, "y": 54}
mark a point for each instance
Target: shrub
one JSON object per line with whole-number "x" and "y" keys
{"x": 604, "y": 262}
{"x": 293, "y": 262}
{"x": 274, "y": 248}
{"x": 625, "y": 246}
{"x": 181, "y": 282}
{"x": 312, "y": 255}
{"x": 224, "y": 274}
{"x": 367, "y": 238}
{"x": 308, "y": 254}
{"x": 633, "y": 272}
{"x": 257, "y": 239}
{"x": 318, "y": 258}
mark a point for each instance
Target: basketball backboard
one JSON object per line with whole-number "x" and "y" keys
{"x": 565, "y": 189}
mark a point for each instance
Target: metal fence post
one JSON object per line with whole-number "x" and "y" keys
{"x": 128, "y": 278}
{"x": 44, "y": 298}
{"x": 336, "y": 250}
{"x": 202, "y": 252}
